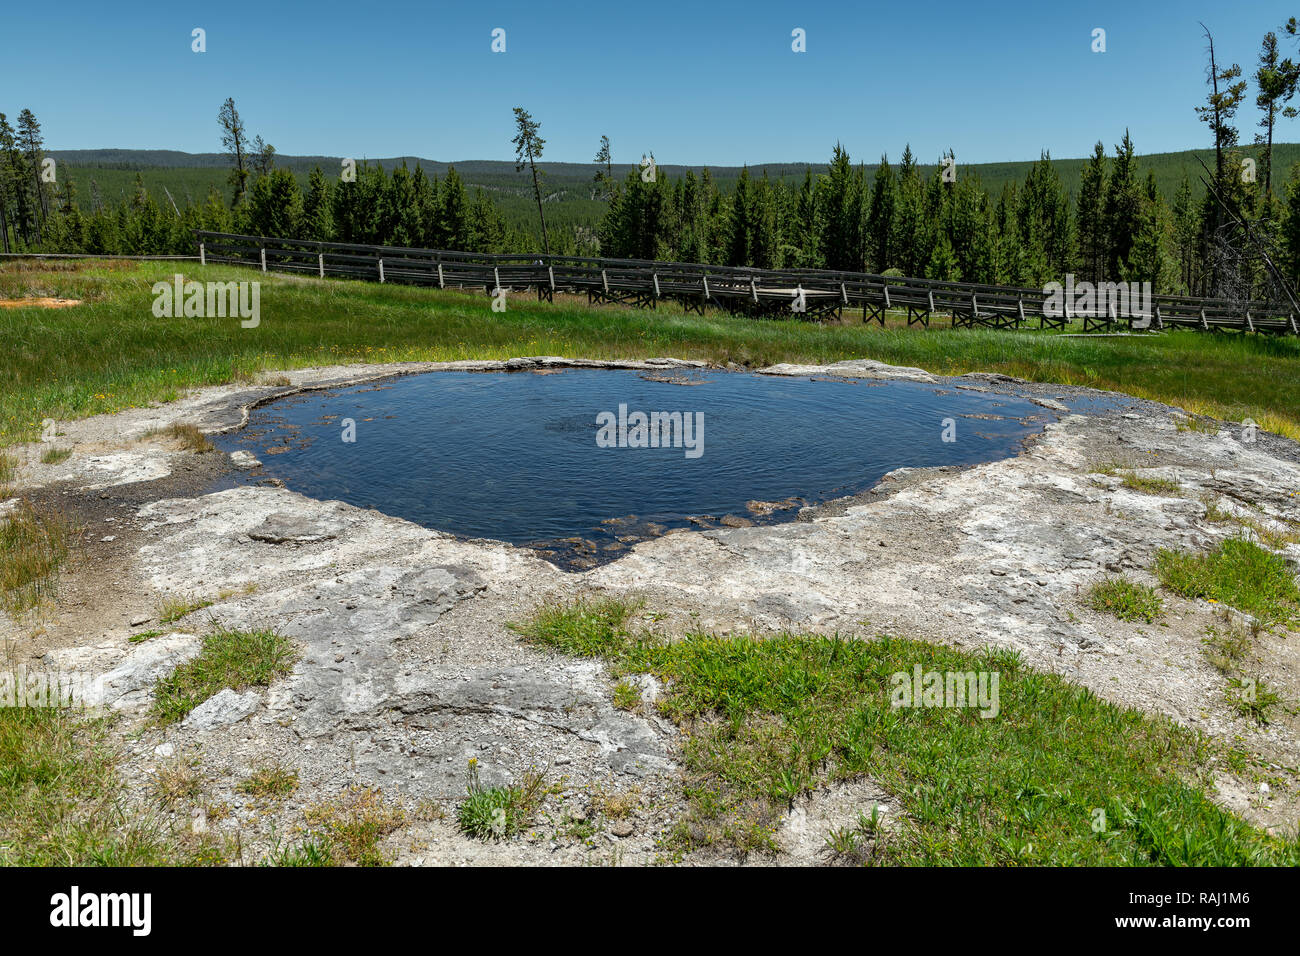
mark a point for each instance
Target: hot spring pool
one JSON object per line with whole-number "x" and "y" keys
{"x": 564, "y": 461}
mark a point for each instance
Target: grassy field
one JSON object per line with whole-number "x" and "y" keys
{"x": 111, "y": 353}
{"x": 1055, "y": 777}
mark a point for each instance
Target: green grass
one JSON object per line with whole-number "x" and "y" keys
{"x": 270, "y": 782}
{"x": 1227, "y": 647}
{"x": 1237, "y": 573}
{"x": 626, "y": 697}
{"x": 1252, "y": 698}
{"x": 1149, "y": 484}
{"x": 311, "y": 851}
{"x": 1213, "y": 512}
{"x": 348, "y": 830}
{"x": 172, "y": 609}
{"x": 111, "y": 353}
{"x": 769, "y": 719}
{"x": 1273, "y": 538}
{"x": 55, "y": 455}
{"x": 1125, "y": 599}
{"x": 34, "y": 543}
{"x": 188, "y": 436}
{"x": 859, "y": 842}
{"x": 494, "y": 813}
{"x": 234, "y": 659}
{"x": 62, "y": 801}
{"x": 1204, "y": 426}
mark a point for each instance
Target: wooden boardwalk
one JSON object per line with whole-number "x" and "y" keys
{"x": 760, "y": 293}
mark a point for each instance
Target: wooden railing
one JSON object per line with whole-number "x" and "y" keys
{"x": 805, "y": 293}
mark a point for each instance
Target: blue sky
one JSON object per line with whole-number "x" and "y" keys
{"x": 696, "y": 83}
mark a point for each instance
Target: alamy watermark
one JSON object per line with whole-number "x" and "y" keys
{"x": 976, "y": 689}
{"x": 74, "y": 908}
{"x": 1114, "y": 300}
{"x": 65, "y": 689}
{"x": 211, "y": 300}
{"x": 651, "y": 430}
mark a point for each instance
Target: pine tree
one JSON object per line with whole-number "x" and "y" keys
{"x": 1186, "y": 230}
{"x": 740, "y": 231}
{"x": 1146, "y": 259}
{"x": 1091, "y": 216}
{"x": 1273, "y": 78}
{"x": 1224, "y": 98}
{"x": 32, "y": 145}
{"x": 453, "y": 214}
{"x": 19, "y": 185}
{"x": 317, "y": 219}
{"x": 486, "y": 230}
{"x": 1009, "y": 268}
{"x": 839, "y": 204}
{"x": 263, "y": 157}
{"x": 943, "y": 263}
{"x": 967, "y": 227}
{"x": 880, "y": 218}
{"x": 400, "y": 214}
{"x": 234, "y": 141}
{"x": 1123, "y": 209}
{"x": 765, "y": 237}
{"x": 1290, "y": 230}
{"x": 805, "y": 223}
{"x": 528, "y": 150}
{"x": 275, "y": 205}
{"x": 1045, "y": 223}
{"x": 910, "y": 241}
{"x": 604, "y": 171}
{"x": 8, "y": 198}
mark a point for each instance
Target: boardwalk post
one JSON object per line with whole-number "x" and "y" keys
{"x": 638, "y": 282}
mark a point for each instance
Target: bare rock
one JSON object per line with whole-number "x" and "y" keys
{"x": 222, "y": 709}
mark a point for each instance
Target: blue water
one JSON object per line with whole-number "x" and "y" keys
{"x": 515, "y": 456}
